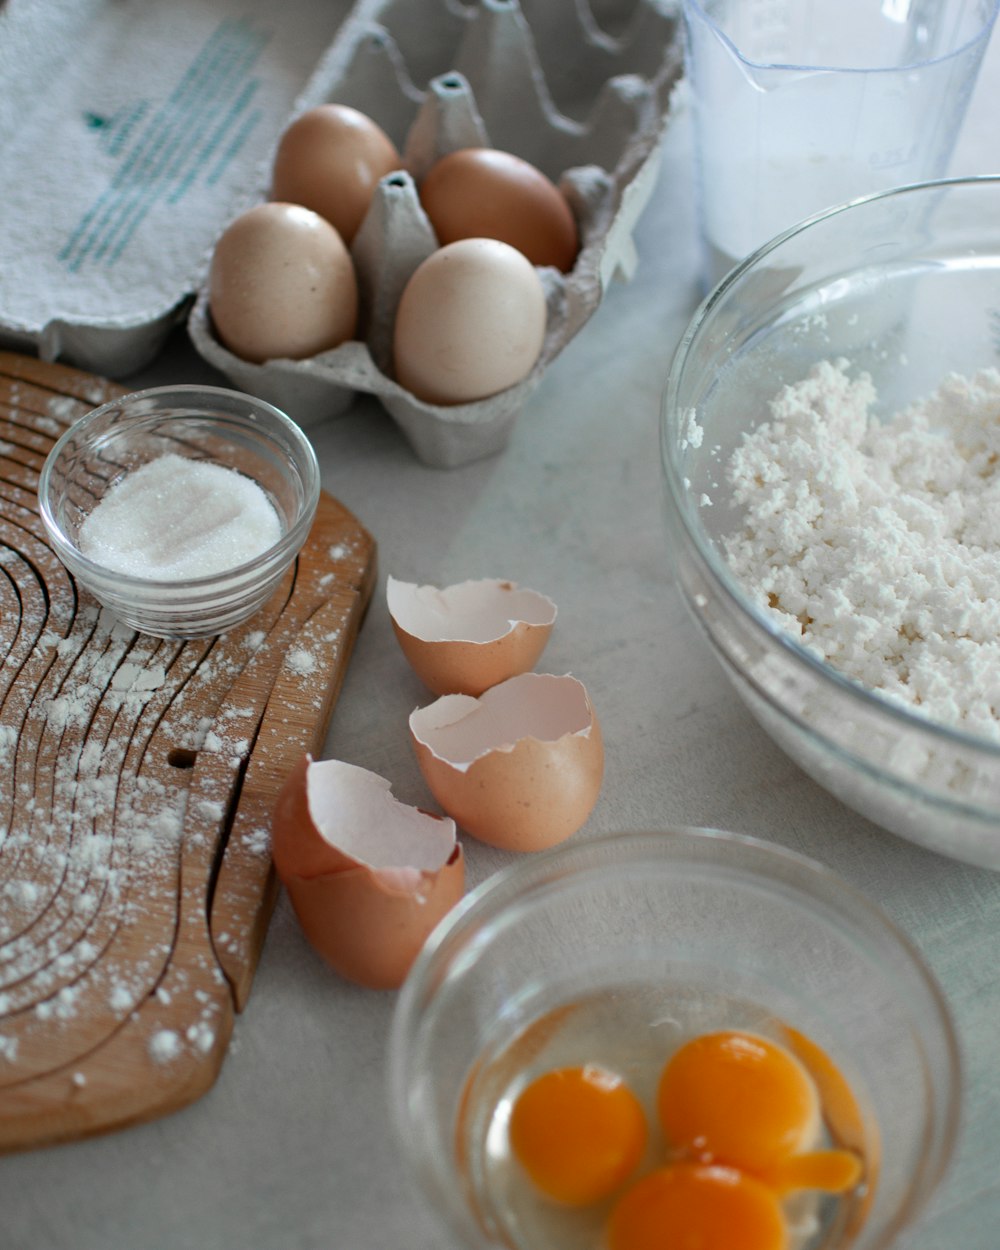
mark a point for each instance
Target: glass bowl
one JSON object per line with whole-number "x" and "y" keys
{"x": 202, "y": 423}
{"x": 613, "y": 950}
{"x": 904, "y": 285}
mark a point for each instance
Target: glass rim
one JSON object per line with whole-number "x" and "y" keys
{"x": 91, "y": 571}
{"x": 981, "y": 36}
{"x": 760, "y": 857}
{"x": 678, "y": 496}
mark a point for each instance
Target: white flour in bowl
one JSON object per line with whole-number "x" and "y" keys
{"x": 877, "y": 543}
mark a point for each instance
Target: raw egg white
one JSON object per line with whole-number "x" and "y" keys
{"x": 281, "y": 284}
{"x": 487, "y": 193}
{"x": 462, "y": 639}
{"x": 520, "y": 767}
{"x": 470, "y": 322}
{"x": 331, "y": 159}
{"x": 367, "y": 876}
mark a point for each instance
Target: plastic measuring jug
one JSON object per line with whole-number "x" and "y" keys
{"x": 803, "y": 104}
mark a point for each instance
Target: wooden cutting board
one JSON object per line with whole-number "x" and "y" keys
{"x": 137, "y": 779}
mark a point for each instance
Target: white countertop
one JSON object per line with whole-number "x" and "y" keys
{"x": 291, "y": 1149}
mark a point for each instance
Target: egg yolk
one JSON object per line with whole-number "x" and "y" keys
{"x": 737, "y": 1099}
{"x": 578, "y": 1133}
{"x": 690, "y": 1206}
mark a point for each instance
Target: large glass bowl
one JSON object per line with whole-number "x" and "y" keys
{"x": 615, "y": 950}
{"x": 906, "y": 286}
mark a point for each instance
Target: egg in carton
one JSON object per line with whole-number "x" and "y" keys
{"x": 539, "y": 79}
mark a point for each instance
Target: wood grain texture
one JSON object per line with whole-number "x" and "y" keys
{"x": 137, "y": 779}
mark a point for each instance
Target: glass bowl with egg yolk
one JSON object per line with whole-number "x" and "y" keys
{"x": 180, "y": 508}
{"x": 686, "y": 1030}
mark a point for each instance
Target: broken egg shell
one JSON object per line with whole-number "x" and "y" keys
{"x": 368, "y": 933}
{"x": 520, "y": 767}
{"x": 367, "y": 919}
{"x": 464, "y": 638}
{"x": 297, "y": 847}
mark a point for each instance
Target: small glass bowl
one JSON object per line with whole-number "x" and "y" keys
{"x": 902, "y": 285}
{"x": 669, "y": 934}
{"x": 202, "y": 423}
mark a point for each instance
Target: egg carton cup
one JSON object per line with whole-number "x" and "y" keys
{"x": 537, "y": 78}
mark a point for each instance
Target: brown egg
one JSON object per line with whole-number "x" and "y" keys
{"x": 331, "y": 159}
{"x": 486, "y": 193}
{"x": 520, "y": 767}
{"x": 462, "y": 639}
{"x": 281, "y": 285}
{"x": 367, "y": 876}
{"x": 470, "y": 322}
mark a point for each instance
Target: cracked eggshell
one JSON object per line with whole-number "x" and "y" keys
{"x": 464, "y": 638}
{"x": 368, "y": 877}
{"x": 520, "y": 767}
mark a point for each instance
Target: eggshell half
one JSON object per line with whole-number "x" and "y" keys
{"x": 464, "y": 638}
{"x": 521, "y": 766}
{"x": 368, "y": 877}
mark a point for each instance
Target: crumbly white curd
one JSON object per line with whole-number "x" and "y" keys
{"x": 876, "y": 543}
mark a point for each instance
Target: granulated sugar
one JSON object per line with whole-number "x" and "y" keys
{"x": 877, "y": 543}
{"x": 174, "y": 519}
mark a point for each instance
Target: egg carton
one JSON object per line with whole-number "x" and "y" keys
{"x": 583, "y": 92}
{"x": 120, "y": 169}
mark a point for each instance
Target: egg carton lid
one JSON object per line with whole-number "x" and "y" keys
{"x": 122, "y": 162}
{"x": 538, "y": 78}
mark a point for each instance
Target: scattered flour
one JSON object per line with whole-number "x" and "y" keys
{"x": 139, "y": 677}
{"x": 201, "y": 1036}
{"x": 93, "y": 854}
{"x": 64, "y": 407}
{"x": 164, "y": 1045}
{"x": 120, "y": 999}
{"x": 877, "y": 544}
{"x": 258, "y": 840}
{"x": 301, "y": 661}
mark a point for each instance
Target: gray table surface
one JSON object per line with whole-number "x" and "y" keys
{"x": 291, "y": 1149}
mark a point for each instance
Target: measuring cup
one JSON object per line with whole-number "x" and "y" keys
{"x": 799, "y": 106}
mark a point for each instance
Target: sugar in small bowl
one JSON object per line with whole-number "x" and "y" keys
{"x": 180, "y": 508}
